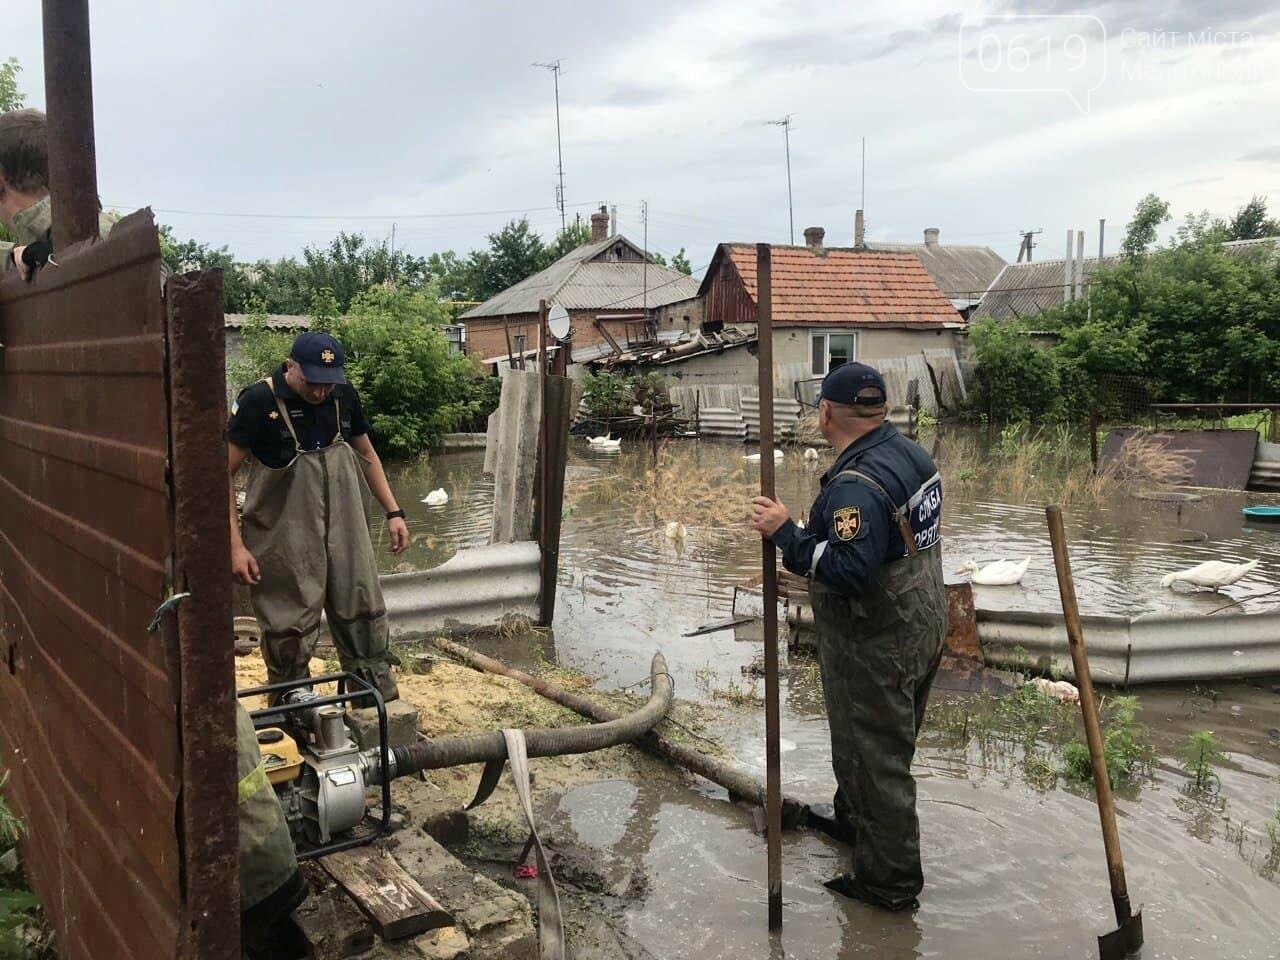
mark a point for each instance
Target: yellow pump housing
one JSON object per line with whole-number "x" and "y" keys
{"x": 280, "y": 754}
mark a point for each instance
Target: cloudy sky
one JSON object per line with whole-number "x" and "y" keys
{"x": 268, "y": 126}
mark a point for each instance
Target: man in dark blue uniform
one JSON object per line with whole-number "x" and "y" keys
{"x": 872, "y": 554}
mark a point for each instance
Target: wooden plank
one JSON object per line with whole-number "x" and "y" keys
{"x": 392, "y": 900}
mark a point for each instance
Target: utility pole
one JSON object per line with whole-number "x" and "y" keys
{"x": 644, "y": 217}
{"x": 1028, "y": 243}
{"x": 554, "y": 67}
{"x": 785, "y": 124}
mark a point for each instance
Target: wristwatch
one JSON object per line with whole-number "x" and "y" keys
{"x": 394, "y": 514}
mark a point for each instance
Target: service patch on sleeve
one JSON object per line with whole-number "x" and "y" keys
{"x": 847, "y": 521}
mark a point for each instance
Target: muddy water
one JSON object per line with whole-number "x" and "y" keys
{"x": 1013, "y": 869}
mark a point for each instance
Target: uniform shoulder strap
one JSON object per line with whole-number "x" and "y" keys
{"x": 284, "y": 412}
{"x": 900, "y": 513}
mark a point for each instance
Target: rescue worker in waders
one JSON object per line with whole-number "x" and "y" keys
{"x": 271, "y": 885}
{"x": 871, "y": 552}
{"x": 305, "y": 547}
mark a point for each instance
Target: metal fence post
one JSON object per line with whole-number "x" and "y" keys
{"x": 68, "y": 93}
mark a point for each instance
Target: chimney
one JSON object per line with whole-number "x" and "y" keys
{"x": 859, "y": 232}
{"x": 1067, "y": 263}
{"x": 813, "y": 240}
{"x": 613, "y": 221}
{"x": 599, "y": 224}
{"x": 930, "y": 236}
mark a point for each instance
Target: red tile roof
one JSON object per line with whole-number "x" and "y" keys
{"x": 847, "y": 286}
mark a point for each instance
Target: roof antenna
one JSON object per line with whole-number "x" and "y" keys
{"x": 785, "y": 124}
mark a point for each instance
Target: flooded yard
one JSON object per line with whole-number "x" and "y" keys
{"x": 1013, "y": 855}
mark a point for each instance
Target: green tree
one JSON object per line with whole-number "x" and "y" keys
{"x": 567, "y": 240}
{"x": 11, "y": 98}
{"x": 1251, "y": 222}
{"x": 351, "y": 264}
{"x": 679, "y": 261}
{"x": 1142, "y": 230}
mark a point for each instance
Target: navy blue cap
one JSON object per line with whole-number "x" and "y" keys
{"x": 320, "y": 357}
{"x": 845, "y": 382}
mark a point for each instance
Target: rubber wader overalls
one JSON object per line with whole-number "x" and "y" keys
{"x": 879, "y": 653}
{"x": 305, "y": 525}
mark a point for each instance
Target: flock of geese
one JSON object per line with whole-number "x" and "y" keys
{"x": 1210, "y": 575}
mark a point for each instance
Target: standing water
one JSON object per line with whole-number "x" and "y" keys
{"x": 1013, "y": 856}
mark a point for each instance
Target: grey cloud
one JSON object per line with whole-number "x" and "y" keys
{"x": 1265, "y": 155}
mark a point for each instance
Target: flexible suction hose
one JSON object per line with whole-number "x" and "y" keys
{"x": 457, "y": 751}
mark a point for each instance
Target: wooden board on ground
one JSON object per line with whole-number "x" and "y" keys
{"x": 1216, "y": 458}
{"x": 392, "y": 900}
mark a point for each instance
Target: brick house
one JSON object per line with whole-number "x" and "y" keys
{"x": 833, "y": 304}
{"x": 609, "y": 287}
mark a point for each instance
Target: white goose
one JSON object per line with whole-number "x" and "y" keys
{"x": 755, "y": 457}
{"x": 676, "y": 530}
{"x": 811, "y": 455}
{"x": 1213, "y": 574}
{"x": 604, "y": 443}
{"x": 1002, "y": 573}
{"x": 436, "y": 498}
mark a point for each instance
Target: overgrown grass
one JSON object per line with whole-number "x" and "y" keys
{"x": 1129, "y": 758}
{"x": 1199, "y": 755}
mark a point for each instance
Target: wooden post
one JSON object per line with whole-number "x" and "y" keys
{"x": 544, "y": 467}
{"x": 768, "y": 559}
{"x": 68, "y": 94}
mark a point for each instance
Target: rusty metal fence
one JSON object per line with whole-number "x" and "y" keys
{"x": 119, "y": 741}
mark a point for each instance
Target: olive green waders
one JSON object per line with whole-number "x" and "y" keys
{"x": 879, "y": 654}
{"x": 305, "y": 525}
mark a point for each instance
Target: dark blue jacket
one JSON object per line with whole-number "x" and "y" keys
{"x": 853, "y": 528}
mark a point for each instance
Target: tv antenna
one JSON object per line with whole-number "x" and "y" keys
{"x": 554, "y": 67}
{"x": 785, "y": 123}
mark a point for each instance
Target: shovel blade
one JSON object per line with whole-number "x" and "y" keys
{"x": 1124, "y": 942}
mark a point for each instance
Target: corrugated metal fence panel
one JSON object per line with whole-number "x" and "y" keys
{"x": 477, "y": 587}
{"x": 1265, "y": 474}
{"x": 88, "y": 704}
{"x": 721, "y": 422}
{"x": 785, "y": 414}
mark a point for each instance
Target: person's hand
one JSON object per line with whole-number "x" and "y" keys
{"x": 244, "y": 567}
{"x": 768, "y": 515}
{"x": 399, "y": 531}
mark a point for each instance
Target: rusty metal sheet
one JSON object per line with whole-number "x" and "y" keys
{"x": 202, "y": 562}
{"x": 962, "y": 624}
{"x": 1216, "y": 458}
{"x": 89, "y": 701}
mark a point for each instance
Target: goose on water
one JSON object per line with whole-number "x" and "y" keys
{"x": 604, "y": 443}
{"x": 1213, "y": 574}
{"x": 676, "y": 530}
{"x": 1062, "y": 690}
{"x": 436, "y": 498}
{"x": 1002, "y": 573}
{"x": 755, "y": 457}
{"x": 811, "y": 454}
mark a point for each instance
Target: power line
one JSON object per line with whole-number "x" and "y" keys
{"x": 350, "y": 216}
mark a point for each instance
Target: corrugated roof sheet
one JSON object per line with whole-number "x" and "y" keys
{"x": 847, "y": 286}
{"x": 1029, "y": 289}
{"x": 277, "y": 321}
{"x": 962, "y": 272}
{"x": 579, "y": 281}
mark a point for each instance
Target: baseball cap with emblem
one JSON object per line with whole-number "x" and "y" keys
{"x": 845, "y": 382}
{"x": 320, "y": 356}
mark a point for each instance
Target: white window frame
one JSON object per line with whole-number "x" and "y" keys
{"x": 824, "y": 335}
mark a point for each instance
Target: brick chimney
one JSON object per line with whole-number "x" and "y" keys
{"x": 930, "y": 236}
{"x": 813, "y": 240}
{"x": 599, "y": 224}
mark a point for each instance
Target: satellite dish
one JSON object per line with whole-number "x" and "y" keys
{"x": 558, "y": 322}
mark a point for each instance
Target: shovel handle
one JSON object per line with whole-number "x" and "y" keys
{"x": 1089, "y": 709}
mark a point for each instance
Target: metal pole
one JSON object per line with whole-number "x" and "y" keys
{"x": 791, "y": 213}
{"x": 1102, "y": 229}
{"x": 559, "y": 151}
{"x": 68, "y": 94}
{"x": 768, "y": 558}
{"x": 1093, "y": 439}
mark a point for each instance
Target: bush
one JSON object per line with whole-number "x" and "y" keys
{"x": 413, "y": 390}
{"x": 1199, "y": 755}
{"x": 608, "y": 394}
{"x": 1127, "y": 756}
